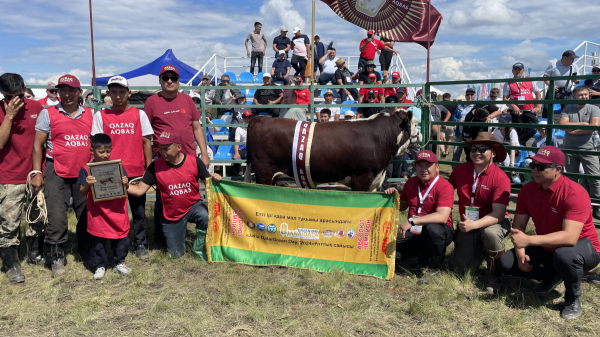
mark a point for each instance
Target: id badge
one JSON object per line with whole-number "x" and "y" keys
{"x": 472, "y": 213}
{"x": 348, "y": 79}
{"x": 416, "y": 229}
{"x": 521, "y": 98}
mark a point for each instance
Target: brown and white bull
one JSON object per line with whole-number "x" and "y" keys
{"x": 356, "y": 152}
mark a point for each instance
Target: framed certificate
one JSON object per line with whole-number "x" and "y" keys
{"x": 109, "y": 176}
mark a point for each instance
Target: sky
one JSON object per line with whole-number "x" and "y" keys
{"x": 42, "y": 40}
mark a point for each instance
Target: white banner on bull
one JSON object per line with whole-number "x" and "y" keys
{"x": 301, "y": 154}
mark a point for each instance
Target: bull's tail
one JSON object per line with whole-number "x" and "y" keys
{"x": 248, "y": 173}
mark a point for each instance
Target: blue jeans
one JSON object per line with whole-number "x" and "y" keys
{"x": 325, "y": 78}
{"x": 174, "y": 231}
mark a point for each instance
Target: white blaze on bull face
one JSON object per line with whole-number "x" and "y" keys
{"x": 377, "y": 181}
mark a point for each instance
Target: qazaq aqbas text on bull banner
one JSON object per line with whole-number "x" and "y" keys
{"x": 354, "y": 232}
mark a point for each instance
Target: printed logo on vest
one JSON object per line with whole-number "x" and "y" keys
{"x": 179, "y": 189}
{"x": 121, "y": 128}
{"x": 76, "y": 140}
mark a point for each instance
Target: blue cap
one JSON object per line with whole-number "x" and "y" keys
{"x": 519, "y": 65}
{"x": 505, "y": 118}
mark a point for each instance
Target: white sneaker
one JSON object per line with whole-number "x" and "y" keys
{"x": 122, "y": 269}
{"x": 99, "y": 274}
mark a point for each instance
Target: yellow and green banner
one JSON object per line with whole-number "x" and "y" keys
{"x": 354, "y": 232}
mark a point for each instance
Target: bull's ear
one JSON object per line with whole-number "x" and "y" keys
{"x": 409, "y": 116}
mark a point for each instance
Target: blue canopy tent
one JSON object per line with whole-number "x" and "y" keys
{"x": 148, "y": 75}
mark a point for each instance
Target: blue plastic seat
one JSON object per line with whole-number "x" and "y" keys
{"x": 249, "y": 102}
{"x": 259, "y": 78}
{"x": 354, "y": 108}
{"x": 264, "y": 114}
{"x": 232, "y": 76}
{"x": 224, "y": 152}
{"x": 250, "y": 92}
{"x": 246, "y": 77}
{"x": 222, "y": 130}
{"x": 520, "y": 158}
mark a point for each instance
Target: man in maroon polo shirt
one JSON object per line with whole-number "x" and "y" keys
{"x": 169, "y": 109}
{"x": 483, "y": 193}
{"x": 429, "y": 199}
{"x": 17, "y": 130}
{"x": 566, "y": 244}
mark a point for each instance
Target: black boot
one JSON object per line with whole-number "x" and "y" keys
{"x": 34, "y": 250}
{"x": 572, "y": 309}
{"x": 57, "y": 259}
{"x": 10, "y": 256}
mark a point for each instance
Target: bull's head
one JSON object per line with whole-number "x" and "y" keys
{"x": 403, "y": 139}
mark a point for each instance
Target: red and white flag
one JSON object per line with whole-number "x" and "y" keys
{"x": 398, "y": 20}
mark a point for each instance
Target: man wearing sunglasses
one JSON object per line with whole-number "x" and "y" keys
{"x": 582, "y": 114}
{"x": 17, "y": 131}
{"x": 226, "y": 94}
{"x": 170, "y": 109}
{"x": 428, "y": 231}
{"x": 566, "y": 244}
{"x": 522, "y": 113}
{"x": 64, "y": 131}
{"x": 51, "y": 96}
{"x": 502, "y": 108}
{"x": 483, "y": 191}
{"x": 594, "y": 84}
{"x": 460, "y": 113}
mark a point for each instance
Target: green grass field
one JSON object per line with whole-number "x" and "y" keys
{"x": 187, "y": 297}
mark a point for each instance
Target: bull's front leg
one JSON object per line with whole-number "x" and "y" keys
{"x": 368, "y": 182}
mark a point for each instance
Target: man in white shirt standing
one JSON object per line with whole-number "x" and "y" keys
{"x": 329, "y": 67}
{"x": 502, "y": 108}
{"x": 301, "y": 47}
{"x": 334, "y": 111}
{"x": 563, "y": 67}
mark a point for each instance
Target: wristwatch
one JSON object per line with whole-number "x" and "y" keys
{"x": 411, "y": 221}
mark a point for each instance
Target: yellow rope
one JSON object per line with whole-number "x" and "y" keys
{"x": 40, "y": 201}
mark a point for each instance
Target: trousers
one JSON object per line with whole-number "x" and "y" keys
{"x": 120, "y": 247}
{"x": 138, "y": 213}
{"x": 469, "y": 246}
{"x": 525, "y": 133}
{"x": 432, "y": 241}
{"x": 58, "y": 192}
{"x": 174, "y": 231}
{"x": 344, "y": 96}
{"x": 569, "y": 263}
{"x": 256, "y": 55}
{"x": 385, "y": 58}
{"x": 13, "y": 198}
{"x": 591, "y": 166}
{"x": 299, "y": 65}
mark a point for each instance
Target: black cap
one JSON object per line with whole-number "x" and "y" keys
{"x": 470, "y": 89}
{"x": 371, "y": 92}
{"x": 570, "y": 53}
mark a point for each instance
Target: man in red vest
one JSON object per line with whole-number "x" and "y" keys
{"x": 131, "y": 134}
{"x": 17, "y": 130}
{"x": 51, "y": 96}
{"x": 522, "y": 113}
{"x": 64, "y": 129}
{"x": 178, "y": 200}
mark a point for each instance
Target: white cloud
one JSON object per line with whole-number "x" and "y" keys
{"x": 527, "y": 53}
{"x": 285, "y": 12}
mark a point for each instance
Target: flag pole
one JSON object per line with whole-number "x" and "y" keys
{"x": 312, "y": 46}
{"x": 428, "y": 35}
{"x": 92, "y": 35}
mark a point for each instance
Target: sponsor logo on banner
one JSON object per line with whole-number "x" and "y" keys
{"x": 351, "y": 234}
{"x": 339, "y": 233}
{"x": 237, "y": 222}
{"x": 261, "y": 227}
{"x": 217, "y": 208}
{"x": 216, "y": 225}
{"x": 364, "y": 232}
{"x": 250, "y": 225}
{"x": 300, "y": 233}
{"x": 328, "y": 233}
{"x": 271, "y": 228}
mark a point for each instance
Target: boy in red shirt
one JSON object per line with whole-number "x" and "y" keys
{"x": 107, "y": 219}
{"x": 566, "y": 244}
{"x": 131, "y": 133}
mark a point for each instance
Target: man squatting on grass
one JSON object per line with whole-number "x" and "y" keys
{"x": 176, "y": 176}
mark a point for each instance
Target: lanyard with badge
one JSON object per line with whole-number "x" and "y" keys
{"x": 472, "y": 212}
{"x": 520, "y": 97}
{"x": 417, "y": 229}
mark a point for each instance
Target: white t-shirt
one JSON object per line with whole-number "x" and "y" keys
{"x": 51, "y": 102}
{"x": 506, "y": 89}
{"x": 329, "y": 66}
{"x": 334, "y": 111}
{"x": 558, "y": 69}
{"x": 241, "y": 134}
{"x": 98, "y": 127}
{"x": 514, "y": 138}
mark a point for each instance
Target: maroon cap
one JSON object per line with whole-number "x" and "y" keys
{"x": 168, "y": 67}
{"x": 168, "y": 137}
{"x": 372, "y": 75}
{"x": 69, "y": 80}
{"x": 395, "y": 74}
{"x": 426, "y": 155}
{"x": 549, "y": 155}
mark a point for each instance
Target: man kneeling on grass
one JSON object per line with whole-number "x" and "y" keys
{"x": 106, "y": 219}
{"x": 428, "y": 230}
{"x": 176, "y": 176}
{"x": 566, "y": 244}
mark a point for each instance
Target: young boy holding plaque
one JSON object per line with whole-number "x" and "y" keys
{"x": 107, "y": 219}
{"x": 131, "y": 133}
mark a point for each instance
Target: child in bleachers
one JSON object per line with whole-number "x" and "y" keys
{"x": 107, "y": 219}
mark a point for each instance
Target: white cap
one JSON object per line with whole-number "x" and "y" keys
{"x": 349, "y": 113}
{"x": 296, "y": 30}
{"x": 283, "y": 29}
{"x": 266, "y": 75}
{"x": 543, "y": 122}
{"x": 119, "y": 80}
{"x": 281, "y": 52}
